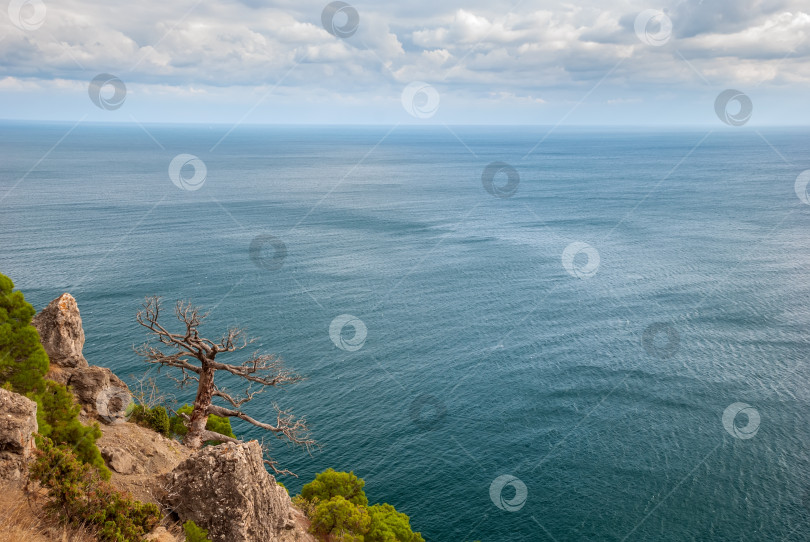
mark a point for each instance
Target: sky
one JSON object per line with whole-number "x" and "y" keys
{"x": 588, "y": 62}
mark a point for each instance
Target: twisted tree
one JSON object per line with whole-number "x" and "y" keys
{"x": 197, "y": 359}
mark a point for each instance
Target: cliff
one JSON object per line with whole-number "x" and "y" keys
{"x": 225, "y": 489}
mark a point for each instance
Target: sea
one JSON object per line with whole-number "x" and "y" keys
{"x": 510, "y": 333}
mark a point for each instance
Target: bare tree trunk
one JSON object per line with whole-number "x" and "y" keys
{"x": 195, "y": 357}
{"x": 199, "y": 415}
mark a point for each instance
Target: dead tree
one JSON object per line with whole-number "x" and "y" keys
{"x": 196, "y": 357}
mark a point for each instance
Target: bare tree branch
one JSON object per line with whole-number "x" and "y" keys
{"x": 295, "y": 429}
{"x": 195, "y": 357}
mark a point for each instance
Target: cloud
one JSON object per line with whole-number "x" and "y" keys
{"x": 495, "y": 50}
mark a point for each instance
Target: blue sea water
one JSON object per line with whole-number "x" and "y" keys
{"x": 484, "y": 357}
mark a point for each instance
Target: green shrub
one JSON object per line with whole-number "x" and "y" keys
{"x": 155, "y": 418}
{"x": 79, "y": 495}
{"x": 23, "y": 361}
{"x": 195, "y": 533}
{"x": 58, "y": 420}
{"x": 305, "y": 505}
{"x": 338, "y": 508}
{"x": 216, "y": 424}
{"x": 23, "y": 365}
{"x": 340, "y": 520}
{"x": 388, "y": 525}
{"x": 330, "y": 483}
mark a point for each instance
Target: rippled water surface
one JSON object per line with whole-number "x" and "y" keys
{"x": 484, "y": 356}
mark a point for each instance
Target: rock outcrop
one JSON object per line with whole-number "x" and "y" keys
{"x": 227, "y": 490}
{"x": 102, "y": 394}
{"x": 118, "y": 460}
{"x": 139, "y": 459}
{"x": 61, "y": 333}
{"x": 18, "y": 423}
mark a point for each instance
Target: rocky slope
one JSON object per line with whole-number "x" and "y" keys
{"x": 225, "y": 489}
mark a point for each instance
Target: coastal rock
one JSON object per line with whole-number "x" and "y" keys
{"x": 101, "y": 394}
{"x": 60, "y": 331}
{"x": 18, "y": 423}
{"x": 118, "y": 460}
{"x": 227, "y": 490}
{"x": 153, "y": 456}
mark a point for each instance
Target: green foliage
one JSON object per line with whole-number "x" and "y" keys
{"x": 216, "y": 424}
{"x": 388, "y": 525}
{"x": 23, "y": 365}
{"x": 79, "y": 495}
{"x": 58, "y": 420}
{"x": 330, "y": 483}
{"x": 195, "y": 533}
{"x": 340, "y": 520}
{"x": 338, "y": 508}
{"x": 305, "y": 505}
{"x": 23, "y": 361}
{"x": 155, "y": 418}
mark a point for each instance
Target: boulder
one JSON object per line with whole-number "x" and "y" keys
{"x": 18, "y": 423}
{"x": 60, "y": 331}
{"x": 227, "y": 490}
{"x": 101, "y": 394}
{"x": 118, "y": 460}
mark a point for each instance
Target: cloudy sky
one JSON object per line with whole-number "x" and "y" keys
{"x": 622, "y": 62}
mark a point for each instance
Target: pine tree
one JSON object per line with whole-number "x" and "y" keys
{"x": 23, "y": 365}
{"x": 23, "y": 361}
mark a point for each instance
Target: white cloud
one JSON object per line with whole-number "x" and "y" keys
{"x": 473, "y": 48}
